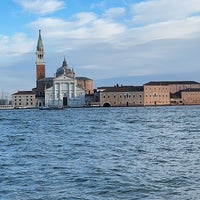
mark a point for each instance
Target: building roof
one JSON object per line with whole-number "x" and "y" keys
{"x": 46, "y": 79}
{"x": 171, "y": 82}
{"x": 122, "y": 89}
{"x": 24, "y": 93}
{"x": 191, "y": 90}
{"x": 64, "y": 69}
{"x": 84, "y": 79}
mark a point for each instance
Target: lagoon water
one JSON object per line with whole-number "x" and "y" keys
{"x": 100, "y": 153}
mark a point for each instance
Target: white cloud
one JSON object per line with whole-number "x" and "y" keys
{"x": 86, "y": 26}
{"x": 41, "y": 7}
{"x": 188, "y": 28}
{"x": 13, "y": 48}
{"x": 153, "y": 11}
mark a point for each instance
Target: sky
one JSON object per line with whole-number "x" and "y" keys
{"x": 128, "y": 42}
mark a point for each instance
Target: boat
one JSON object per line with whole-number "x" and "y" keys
{"x": 50, "y": 107}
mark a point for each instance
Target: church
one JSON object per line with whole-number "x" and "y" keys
{"x": 64, "y": 89}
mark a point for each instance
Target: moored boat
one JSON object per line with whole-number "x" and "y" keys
{"x": 50, "y": 108}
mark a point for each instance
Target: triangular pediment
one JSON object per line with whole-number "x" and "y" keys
{"x": 63, "y": 77}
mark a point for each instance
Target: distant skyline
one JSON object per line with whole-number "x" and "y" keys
{"x": 128, "y": 42}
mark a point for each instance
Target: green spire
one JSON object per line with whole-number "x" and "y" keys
{"x": 40, "y": 46}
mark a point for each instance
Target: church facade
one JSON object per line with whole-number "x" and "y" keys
{"x": 64, "y": 90}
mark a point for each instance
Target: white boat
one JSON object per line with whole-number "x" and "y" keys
{"x": 50, "y": 108}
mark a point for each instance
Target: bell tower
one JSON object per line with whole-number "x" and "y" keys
{"x": 40, "y": 62}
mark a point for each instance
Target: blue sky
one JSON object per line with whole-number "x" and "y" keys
{"x": 127, "y": 42}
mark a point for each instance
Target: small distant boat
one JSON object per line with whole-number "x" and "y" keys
{"x": 50, "y": 108}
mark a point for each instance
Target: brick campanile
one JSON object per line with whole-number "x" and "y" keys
{"x": 40, "y": 62}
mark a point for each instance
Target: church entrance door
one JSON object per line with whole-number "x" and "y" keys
{"x": 65, "y": 104}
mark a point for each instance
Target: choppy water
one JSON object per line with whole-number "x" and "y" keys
{"x": 100, "y": 153}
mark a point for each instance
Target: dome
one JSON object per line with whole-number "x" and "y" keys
{"x": 64, "y": 69}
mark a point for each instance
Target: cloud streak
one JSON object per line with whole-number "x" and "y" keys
{"x": 41, "y": 7}
{"x": 156, "y": 11}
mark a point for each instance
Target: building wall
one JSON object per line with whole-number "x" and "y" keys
{"x": 177, "y": 87}
{"x": 23, "y": 100}
{"x": 176, "y": 101}
{"x": 191, "y": 98}
{"x": 156, "y": 95}
{"x": 122, "y": 98}
{"x": 40, "y": 72}
{"x": 87, "y": 84}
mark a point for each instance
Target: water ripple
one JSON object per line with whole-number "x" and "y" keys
{"x": 101, "y": 153}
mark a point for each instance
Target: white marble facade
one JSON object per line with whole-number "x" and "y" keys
{"x": 64, "y": 92}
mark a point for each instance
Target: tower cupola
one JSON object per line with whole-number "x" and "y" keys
{"x": 40, "y": 46}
